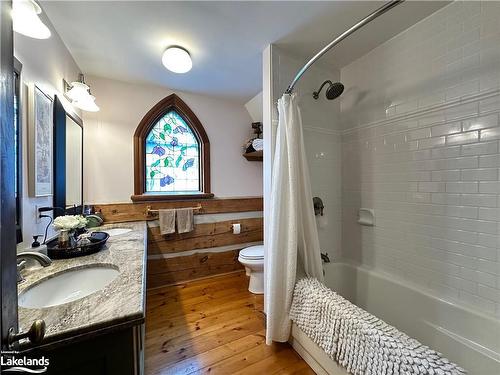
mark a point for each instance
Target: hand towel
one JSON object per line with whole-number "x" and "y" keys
{"x": 167, "y": 221}
{"x": 185, "y": 220}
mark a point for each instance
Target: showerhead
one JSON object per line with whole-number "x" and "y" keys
{"x": 333, "y": 91}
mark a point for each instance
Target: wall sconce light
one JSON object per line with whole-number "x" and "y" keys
{"x": 79, "y": 94}
{"x": 26, "y": 21}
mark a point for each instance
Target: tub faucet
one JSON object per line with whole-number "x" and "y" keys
{"x": 325, "y": 258}
{"x": 43, "y": 259}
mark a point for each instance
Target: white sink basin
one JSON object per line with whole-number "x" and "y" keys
{"x": 67, "y": 287}
{"x": 117, "y": 231}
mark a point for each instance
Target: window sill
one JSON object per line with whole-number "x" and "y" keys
{"x": 169, "y": 197}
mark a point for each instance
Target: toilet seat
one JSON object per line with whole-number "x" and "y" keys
{"x": 252, "y": 253}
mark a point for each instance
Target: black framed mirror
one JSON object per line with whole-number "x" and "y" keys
{"x": 18, "y": 149}
{"x": 68, "y": 160}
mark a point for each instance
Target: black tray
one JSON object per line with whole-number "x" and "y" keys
{"x": 97, "y": 242}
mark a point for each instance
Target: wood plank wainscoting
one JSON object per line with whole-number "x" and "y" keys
{"x": 210, "y": 249}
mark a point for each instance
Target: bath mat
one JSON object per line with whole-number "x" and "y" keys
{"x": 359, "y": 341}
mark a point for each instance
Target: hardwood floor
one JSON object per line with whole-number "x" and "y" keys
{"x": 213, "y": 326}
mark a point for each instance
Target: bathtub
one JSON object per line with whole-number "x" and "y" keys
{"x": 466, "y": 337}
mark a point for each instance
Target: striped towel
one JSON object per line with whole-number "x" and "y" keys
{"x": 359, "y": 341}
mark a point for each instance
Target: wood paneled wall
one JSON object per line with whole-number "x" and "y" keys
{"x": 122, "y": 212}
{"x": 189, "y": 267}
{"x": 205, "y": 236}
{"x": 180, "y": 257}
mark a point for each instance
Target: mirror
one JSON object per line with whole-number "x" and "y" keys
{"x": 74, "y": 163}
{"x": 18, "y": 149}
{"x": 68, "y": 160}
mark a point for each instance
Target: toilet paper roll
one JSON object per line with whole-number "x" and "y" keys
{"x": 236, "y": 228}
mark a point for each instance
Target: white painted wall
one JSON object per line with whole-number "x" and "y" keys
{"x": 45, "y": 62}
{"x": 421, "y": 147}
{"x": 321, "y": 137}
{"x": 108, "y": 140}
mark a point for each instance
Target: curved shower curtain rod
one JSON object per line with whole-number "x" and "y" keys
{"x": 384, "y": 8}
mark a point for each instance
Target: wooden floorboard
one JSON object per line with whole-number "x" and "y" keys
{"x": 213, "y": 326}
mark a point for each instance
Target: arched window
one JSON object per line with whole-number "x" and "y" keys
{"x": 172, "y": 154}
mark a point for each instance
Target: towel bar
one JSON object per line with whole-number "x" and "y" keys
{"x": 150, "y": 211}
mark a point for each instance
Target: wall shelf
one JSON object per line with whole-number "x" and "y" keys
{"x": 254, "y": 156}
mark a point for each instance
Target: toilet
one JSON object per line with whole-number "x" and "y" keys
{"x": 253, "y": 259}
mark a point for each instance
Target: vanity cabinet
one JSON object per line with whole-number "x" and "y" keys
{"x": 119, "y": 352}
{"x": 101, "y": 333}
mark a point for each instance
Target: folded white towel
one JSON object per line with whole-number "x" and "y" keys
{"x": 185, "y": 220}
{"x": 167, "y": 221}
{"x": 258, "y": 144}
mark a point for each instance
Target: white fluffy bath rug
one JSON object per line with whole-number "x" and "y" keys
{"x": 359, "y": 341}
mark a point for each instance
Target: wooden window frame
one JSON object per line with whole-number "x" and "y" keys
{"x": 171, "y": 102}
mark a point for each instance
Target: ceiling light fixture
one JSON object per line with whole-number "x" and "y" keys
{"x": 26, "y": 21}
{"x": 177, "y": 59}
{"x": 79, "y": 94}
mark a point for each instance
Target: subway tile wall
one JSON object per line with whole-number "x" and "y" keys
{"x": 322, "y": 139}
{"x": 323, "y": 150}
{"x": 421, "y": 146}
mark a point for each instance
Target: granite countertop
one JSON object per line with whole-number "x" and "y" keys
{"x": 121, "y": 303}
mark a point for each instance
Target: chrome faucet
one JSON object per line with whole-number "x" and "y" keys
{"x": 43, "y": 259}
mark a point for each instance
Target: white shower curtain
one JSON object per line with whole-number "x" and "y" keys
{"x": 293, "y": 236}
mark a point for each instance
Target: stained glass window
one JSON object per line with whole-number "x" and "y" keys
{"x": 172, "y": 156}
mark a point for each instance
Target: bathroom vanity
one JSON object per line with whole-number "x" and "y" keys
{"x": 93, "y": 307}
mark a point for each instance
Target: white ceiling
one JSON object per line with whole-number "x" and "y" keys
{"x": 124, "y": 40}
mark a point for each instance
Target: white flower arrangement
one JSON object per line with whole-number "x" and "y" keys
{"x": 68, "y": 222}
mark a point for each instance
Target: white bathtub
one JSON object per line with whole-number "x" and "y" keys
{"x": 466, "y": 337}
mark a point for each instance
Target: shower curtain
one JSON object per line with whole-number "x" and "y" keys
{"x": 293, "y": 236}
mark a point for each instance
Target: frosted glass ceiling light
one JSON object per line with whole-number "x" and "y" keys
{"x": 26, "y": 21}
{"x": 177, "y": 60}
{"x": 79, "y": 94}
